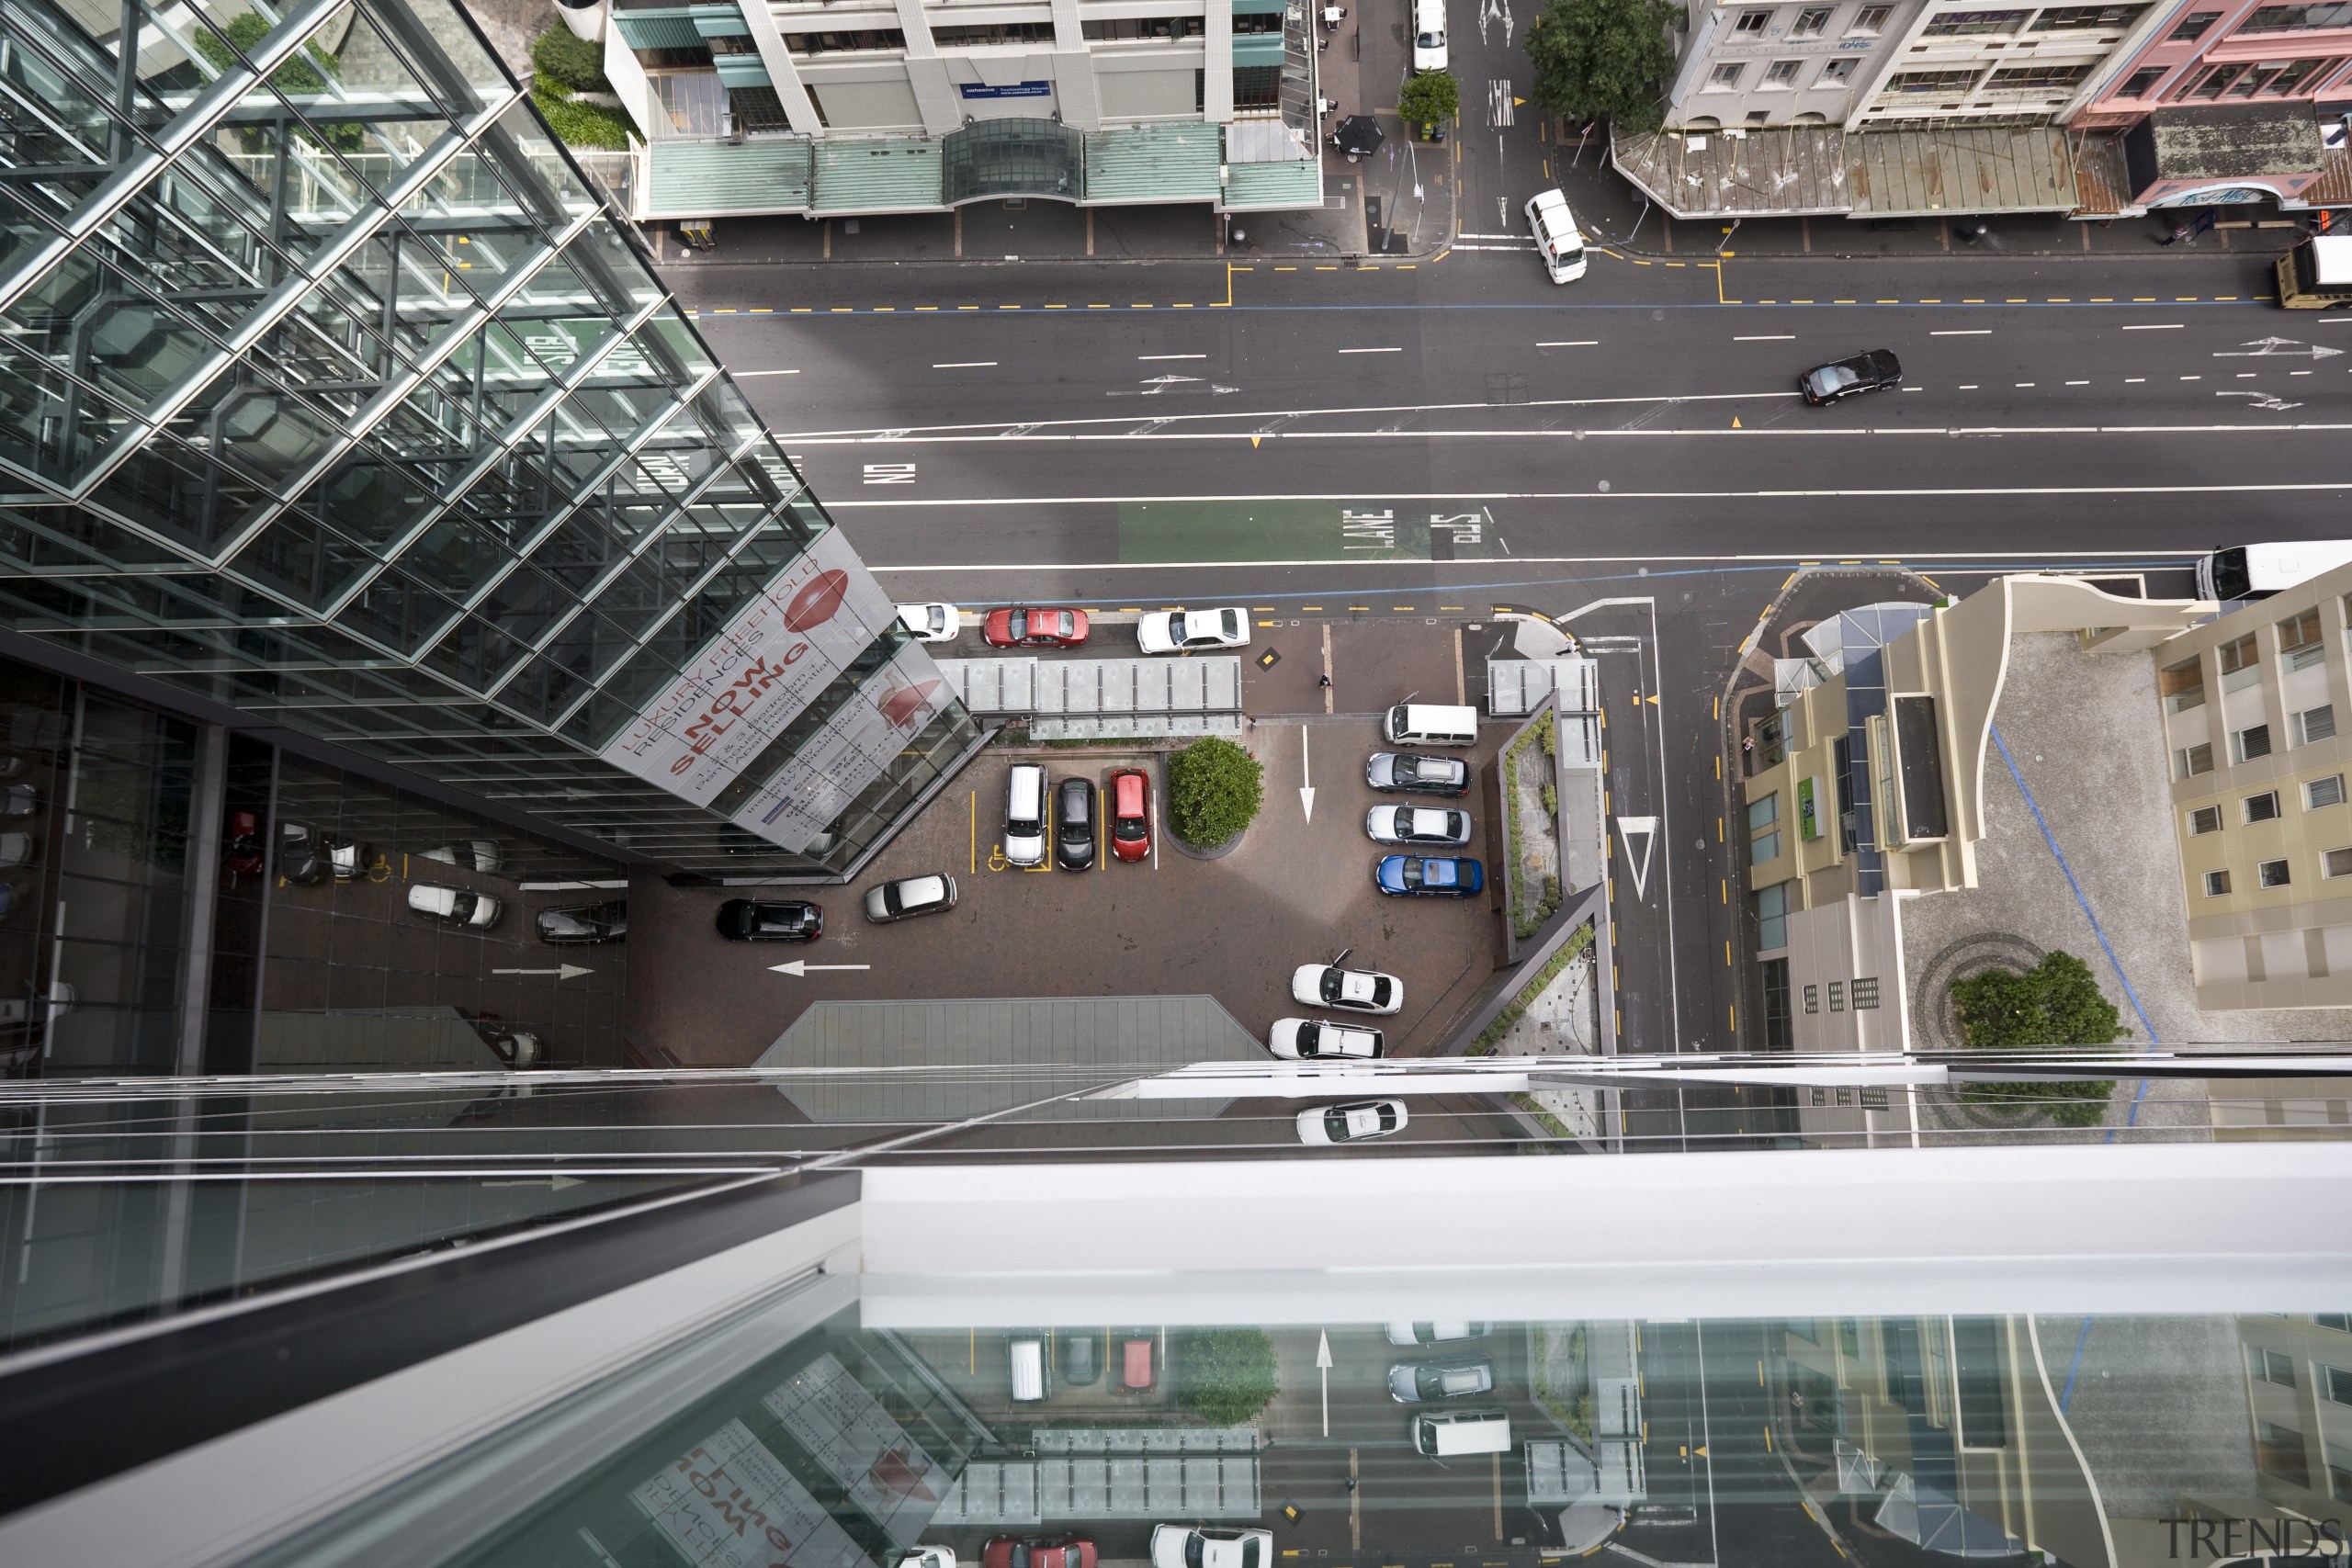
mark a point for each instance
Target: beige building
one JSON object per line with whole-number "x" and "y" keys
{"x": 1873, "y": 784}
{"x": 2250, "y": 703}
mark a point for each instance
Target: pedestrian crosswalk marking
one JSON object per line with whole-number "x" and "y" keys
{"x": 1500, "y": 105}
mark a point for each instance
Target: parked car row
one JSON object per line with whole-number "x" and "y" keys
{"x": 1134, "y": 1358}
{"x": 1044, "y": 626}
{"x": 1173, "y": 1546}
{"x": 1026, "y": 792}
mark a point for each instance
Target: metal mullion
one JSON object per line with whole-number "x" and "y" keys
{"x": 640, "y": 644}
{"x": 187, "y": 129}
{"x": 611, "y": 573}
{"x": 395, "y": 391}
{"x": 309, "y": 273}
{"x": 502, "y": 444}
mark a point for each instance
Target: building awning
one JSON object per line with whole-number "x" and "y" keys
{"x": 881, "y": 173}
{"x": 2333, "y": 188}
{"x": 1822, "y": 171}
{"x": 1152, "y": 163}
{"x": 1272, "y": 187}
{"x": 714, "y": 179}
{"x": 2235, "y": 141}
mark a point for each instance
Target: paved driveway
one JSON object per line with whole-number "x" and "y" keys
{"x": 1297, "y": 890}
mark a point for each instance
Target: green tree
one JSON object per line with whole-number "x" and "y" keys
{"x": 1432, "y": 97}
{"x": 1214, "y": 791}
{"x": 306, "y": 74}
{"x": 565, "y": 58}
{"x": 1224, "y": 1375}
{"x": 2056, "y": 1002}
{"x": 1603, "y": 59}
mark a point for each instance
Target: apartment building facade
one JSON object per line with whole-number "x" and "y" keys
{"x": 2258, "y": 785}
{"x": 820, "y": 108}
{"x": 1861, "y": 66}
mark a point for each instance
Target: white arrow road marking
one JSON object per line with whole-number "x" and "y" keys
{"x": 1645, "y": 829}
{"x": 1159, "y": 384}
{"x": 1323, "y": 1365}
{"x": 2276, "y": 347}
{"x": 796, "y": 969}
{"x": 553, "y": 1183}
{"x": 1306, "y": 791}
{"x": 1499, "y": 101}
{"x": 2263, "y": 401}
{"x": 1494, "y": 10}
{"x": 561, "y": 971}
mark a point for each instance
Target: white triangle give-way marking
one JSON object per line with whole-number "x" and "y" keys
{"x": 1629, "y": 830}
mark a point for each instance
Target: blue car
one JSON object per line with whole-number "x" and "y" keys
{"x": 1430, "y": 876}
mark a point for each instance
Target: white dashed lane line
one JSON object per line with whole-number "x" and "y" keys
{"x": 1768, "y": 337}
{"x": 2156, "y": 327}
{"x": 966, "y": 365}
{"x": 1371, "y": 351}
{"x": 1964, "y": 332}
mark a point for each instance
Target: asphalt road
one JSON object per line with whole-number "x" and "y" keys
{"x": 1442, "y": 439}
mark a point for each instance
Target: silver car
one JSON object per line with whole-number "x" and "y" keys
{"x": 1417, "y": 825}
{"x": 1419, "y": 1383}
{"x": 909, "y": 896}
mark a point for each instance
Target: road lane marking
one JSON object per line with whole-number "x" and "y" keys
{"x": 1964, "y": 332}
{"x": 1151, "y": 356}
{"x": 2133, "y": 380}
{"x": 966, "y": 365}
{"x": 1371, "y": 351}
{"x": 1768, "y": 337}
{"x": 1969, "y": 388}
{"x": 2078, "y": 383}
{"x": 1573, "y": 343}
{"x": 2156, "y": 327}
{"x": 745, "y": 374}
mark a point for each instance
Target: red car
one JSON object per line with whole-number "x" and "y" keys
{"x": 1035, "y": 628}
{"x": 1130, "y": 813}
{"x": 1039, "y": 1551}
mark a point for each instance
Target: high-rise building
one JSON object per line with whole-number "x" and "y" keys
{"x": 335, "y": 404}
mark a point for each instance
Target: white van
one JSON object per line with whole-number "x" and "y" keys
{"x": 1429, "y": 36}
{"x": 1428, "y": 724}
{"x": 1556, "y": 240}
{"x": 1024, "y": 815}
{"x": 1029, "y": 1371}
{"x": 2249, "y": 571}
{"x": 1442, "y": 1434}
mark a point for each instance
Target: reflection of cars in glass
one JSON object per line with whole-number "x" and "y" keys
{"x": 932, "y": 622}
{"x": 1306, "y": 1040}
{"x": 1436, "y": 1333}
{"x": 1427, "y": 876}
{"x": 474, "y": 854}
{"x": 1034, "y": 629}
{"x": 791, "y": 920}
{"x": 1181, "y": 1546}
{"x": 1136, "y": 1371}
{"x": 1418, "y": 1383}
{"x": 18, "y": 800}
{"x": 1080, "y": 1364}
{"x": 1356, "y": 990}
{"x": 346, "y": 857}
{"x": 1417, "y": 825}
{"x": 1182, "y": 631}
{"x": 585, "y": 923}
{"x": 1870, "y": 372}
{"x": 476, "y": 911}
{"x": 1130, "y": 813}
{"x": 1074, "y": 824}
{"x": 299, "y": 861}
{"x": 1351, "y": 1122}
{"x": 16, "y": 849}
{"x": 515, "y": 1047}
{"x": 909, "y": 896}
{"x": 1407, "y": 773}
{"x": 926, "y": 1557}
{"x": 241, "y": 846}
{"x": 56, "y": 1005}
{"x": 1039, "y": 1551}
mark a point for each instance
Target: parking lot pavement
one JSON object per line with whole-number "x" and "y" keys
{"x": 1297, "y": 890}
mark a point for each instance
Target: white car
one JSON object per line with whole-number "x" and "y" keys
{"x": 1353, "y": 1123}
{"x": 1416, "y": 826}
{"x": 1350, "y": 990}
{"x": 1429, "y": 36}
{"x": 474, "y": 854}
{"x": 932, "y": 623}
{"x": 1306, "y": 1040}
{"x": 1183, "y": 1546}
{"x": 1189, "y": 631}
{"x": 1435, "y": 1333}
{"x": 475, "y": 911}
{"x": 1557, "y": 240}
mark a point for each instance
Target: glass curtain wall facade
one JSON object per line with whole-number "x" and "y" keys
{"x": 330, "y": 392}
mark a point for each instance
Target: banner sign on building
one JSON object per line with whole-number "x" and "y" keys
{"x": 856, "y": 1441}
{"x": 730, "y": 1503}
{"x": 785, "y": 646}
{"x": 857, "y": 747}
{"x": 1014, "y": 90}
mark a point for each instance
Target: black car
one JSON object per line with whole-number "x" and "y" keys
{"x": 1871, "y": 372}
{"x": 742, "y": 920}
{"x": 1074, "y": 825}
{"x": 585, "y": 923}
{"x": 1406, "y": 773}
{"x": 1081, "y": 1365}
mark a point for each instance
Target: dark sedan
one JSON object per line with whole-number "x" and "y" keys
{"x": 1871, "y": 372}
{"x": 585, "y": 923}
{"x": 1074, "y": 824}
{"x": 1429, "y": 876}
{"x": 1034, "y": 629}
{"x": 743, "y": 920}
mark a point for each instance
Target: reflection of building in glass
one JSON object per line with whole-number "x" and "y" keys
{"x": 336, "y": 403}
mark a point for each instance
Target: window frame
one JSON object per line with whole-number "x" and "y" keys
{"x": 2272, "y": 873}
